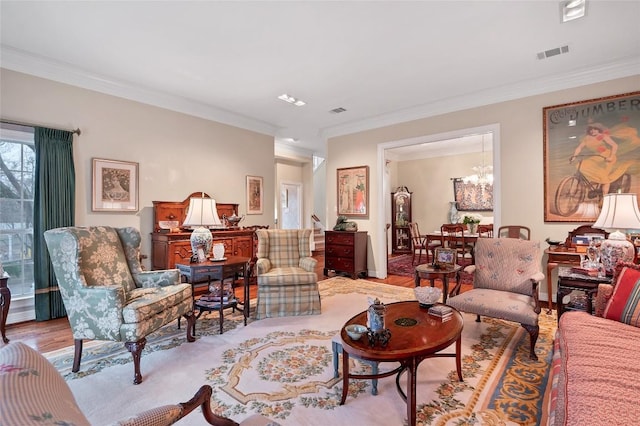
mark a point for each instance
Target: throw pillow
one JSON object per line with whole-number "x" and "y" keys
{"x": 624, "y": 304}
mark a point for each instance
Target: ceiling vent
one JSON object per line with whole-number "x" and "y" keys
{"x": 337, "y": 110}
{"x": 553, "y": 52}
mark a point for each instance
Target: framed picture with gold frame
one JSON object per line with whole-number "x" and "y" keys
{"x": 589, "y": 151}
{"x": 255, "y": 195}
{"x": 444, "y": 258}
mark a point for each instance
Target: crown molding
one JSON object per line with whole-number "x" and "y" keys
{"x": 624, "y": 68}
{"x": 294, "y": 153}
{"x": 17, "y": 60}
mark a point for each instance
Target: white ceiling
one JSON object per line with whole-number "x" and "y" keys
{"x": 383, "y": 61}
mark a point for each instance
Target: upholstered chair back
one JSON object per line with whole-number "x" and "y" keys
{"x": 283, "y": 247}
{"x": 98, "y": 254}
{"x": 506, "y": 264}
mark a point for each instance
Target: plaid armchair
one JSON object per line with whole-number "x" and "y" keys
{"x": 287, "y": 282}
{"x": 506, "y": 279}
{"x": 106, "y": 293}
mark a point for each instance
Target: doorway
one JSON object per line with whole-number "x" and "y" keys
{"x": 385, "y": 153}
{"x": 290, "y": 205}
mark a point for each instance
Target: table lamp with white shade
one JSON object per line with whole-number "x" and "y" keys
{"x": 202, "y": 213}
{"x": 619, "y": 214}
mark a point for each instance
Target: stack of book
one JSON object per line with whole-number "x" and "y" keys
{"x": 442, "y": 311}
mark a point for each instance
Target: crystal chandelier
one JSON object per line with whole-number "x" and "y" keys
{"x": 483, "y": 175}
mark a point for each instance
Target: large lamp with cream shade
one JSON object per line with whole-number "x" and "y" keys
{"x": 202, "y": 214}
{"x": 619, "y": 214}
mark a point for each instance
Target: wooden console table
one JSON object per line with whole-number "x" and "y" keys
{"x": 170, "y": 248}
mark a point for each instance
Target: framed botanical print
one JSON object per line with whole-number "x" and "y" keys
{"x": 255, "y": 195}
{"x": 591, "y": 148}
{"x": 353, "y": 191}
{"x": 115, "y": 186}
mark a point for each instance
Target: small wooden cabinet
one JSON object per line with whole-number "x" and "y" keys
{"x": 345, "y": 252}
{"x": 169, "y": 248}
{"x": 400, "y": 218}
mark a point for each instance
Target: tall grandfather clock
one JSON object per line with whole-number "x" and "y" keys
{"x": 400, "y": 218}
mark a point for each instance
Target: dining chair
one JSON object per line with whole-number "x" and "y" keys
{"x": 514, "y": 231}
{"x": 420, "y": 242}
{"x": 485, "y": 231}
{"x": 453, "y": 237}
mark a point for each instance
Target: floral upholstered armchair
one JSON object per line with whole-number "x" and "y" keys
{"x": 287, "y": 282}
{"x": 506, "y": 279}
{"x": 106, "y": 293}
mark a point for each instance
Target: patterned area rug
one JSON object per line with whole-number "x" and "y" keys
{"x": 283, "y": 369}
{"x": 402, "y": 265}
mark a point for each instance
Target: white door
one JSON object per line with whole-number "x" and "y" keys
{"x": 290, "y": 205}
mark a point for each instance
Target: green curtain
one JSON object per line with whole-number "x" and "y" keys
{"x": 53, "y": 207}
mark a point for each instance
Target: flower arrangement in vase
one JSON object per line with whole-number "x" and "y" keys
{"x": 472, "y": 221}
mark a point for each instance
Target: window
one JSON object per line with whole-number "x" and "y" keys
{"x": 17, "y": 168}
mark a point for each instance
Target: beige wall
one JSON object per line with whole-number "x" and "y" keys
{"x": 521, "y": 158}
{"x": 177, "y": 154}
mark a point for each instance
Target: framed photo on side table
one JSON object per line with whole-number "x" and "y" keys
{"x": 590, "y": 149}
{"x": 444, "y": 258}
{"x": 353, "y": 191}
{"x": 115, "y": 186}
{"x": 255, "y": 195}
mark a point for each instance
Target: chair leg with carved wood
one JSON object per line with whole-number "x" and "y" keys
{"x": 77, "y": 355}
{"x": 533, "y": 331}
{"x": 191, "y": 325}
{"x": 136, "y": 351}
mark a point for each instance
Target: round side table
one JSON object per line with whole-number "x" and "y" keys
{"x": 429, "y": 272}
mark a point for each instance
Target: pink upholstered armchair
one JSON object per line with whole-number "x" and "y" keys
{"x": 506, "y": 277}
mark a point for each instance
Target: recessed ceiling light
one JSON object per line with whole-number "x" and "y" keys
{"x": 572, "y": 9}
{"x": 291, "y": 100}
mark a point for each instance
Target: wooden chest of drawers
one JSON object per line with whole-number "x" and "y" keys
{"x": 346, "y": 252}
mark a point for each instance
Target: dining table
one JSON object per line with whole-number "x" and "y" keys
{"x": 437, "y": 236}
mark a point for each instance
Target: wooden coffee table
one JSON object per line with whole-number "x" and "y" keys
{"x": 415, "y": 336}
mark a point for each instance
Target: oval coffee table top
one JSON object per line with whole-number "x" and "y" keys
{"x": 414, "y": 333}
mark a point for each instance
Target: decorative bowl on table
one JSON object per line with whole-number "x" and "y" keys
{"x": 355, "y": 331}
{"x": 427, "y": 296}
{"x": 233, "y": 220}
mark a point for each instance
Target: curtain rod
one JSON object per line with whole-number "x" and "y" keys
{"x": 76, "y": 131}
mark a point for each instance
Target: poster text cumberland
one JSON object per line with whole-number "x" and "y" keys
{"x": 596, "y": 109}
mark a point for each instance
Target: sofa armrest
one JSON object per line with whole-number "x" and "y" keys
{"x": 602, "y": 297}
{"x": 151, "y": 279}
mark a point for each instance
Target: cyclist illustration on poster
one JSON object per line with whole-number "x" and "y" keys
{"x": 591, "y": 148}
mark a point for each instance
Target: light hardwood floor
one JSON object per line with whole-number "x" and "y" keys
{"x": 46, "y": 336}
